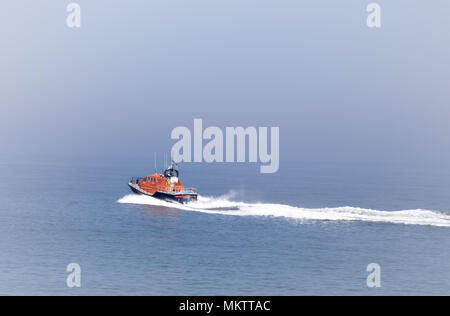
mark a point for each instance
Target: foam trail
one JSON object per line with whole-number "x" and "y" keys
{"x": 224, "y": 206}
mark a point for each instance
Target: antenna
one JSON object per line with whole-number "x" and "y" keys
{"x": 155, "y": 160}
{"x": 175, "y": 164}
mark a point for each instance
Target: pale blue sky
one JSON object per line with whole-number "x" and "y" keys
{"x": 136, "y": 69}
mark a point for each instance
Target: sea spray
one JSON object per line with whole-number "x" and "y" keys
{"x": 223, "y": 205}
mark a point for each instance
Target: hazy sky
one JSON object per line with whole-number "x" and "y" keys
{"x": 137, "y": 69}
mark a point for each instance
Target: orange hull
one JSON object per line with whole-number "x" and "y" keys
{"x": 165, "y": 186}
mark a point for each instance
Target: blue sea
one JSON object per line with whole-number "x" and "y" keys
{"x": 310, "y": 229}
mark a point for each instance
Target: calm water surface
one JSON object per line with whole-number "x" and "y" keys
{"x": 56, "y": 213}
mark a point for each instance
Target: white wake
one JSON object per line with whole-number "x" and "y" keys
{"x": 225, "y": 206}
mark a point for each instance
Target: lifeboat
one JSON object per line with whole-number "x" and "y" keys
{"x": 165, "y": 186}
